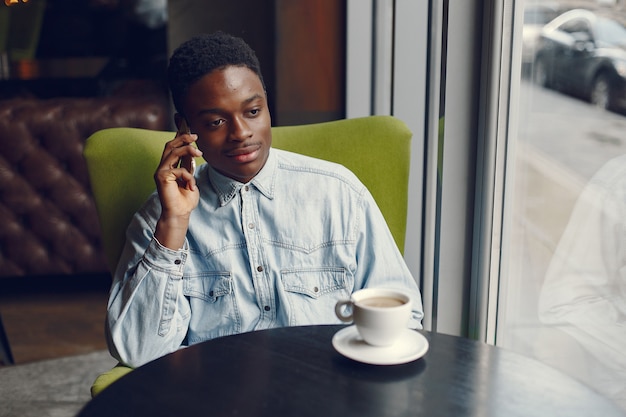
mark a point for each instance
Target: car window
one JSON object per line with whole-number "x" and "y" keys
{"x": 611, "y": 32}
{"x": 575, "y": 26}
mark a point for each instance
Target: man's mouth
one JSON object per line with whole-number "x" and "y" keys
{"x": 245, "y": 153}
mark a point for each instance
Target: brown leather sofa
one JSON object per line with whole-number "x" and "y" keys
{"x": 48, "y": 220}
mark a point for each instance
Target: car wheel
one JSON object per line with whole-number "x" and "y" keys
{"x": 540, "y": 73}
{"x": 601, "y": 92}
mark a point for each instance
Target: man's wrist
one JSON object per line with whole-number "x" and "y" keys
{"x": 171, "y": 231}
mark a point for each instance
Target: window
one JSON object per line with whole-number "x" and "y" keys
{"x": 561, "y": 292}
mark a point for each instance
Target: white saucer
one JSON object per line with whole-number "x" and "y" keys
{"x": 411, "y": 346}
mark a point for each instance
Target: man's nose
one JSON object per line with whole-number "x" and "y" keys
{"x": 240, "y": 130}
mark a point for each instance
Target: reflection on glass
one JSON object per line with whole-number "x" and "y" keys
{"x": 581, "y": 52}
{"x": 563, "y": 266}
{"x": 584, "y": 292}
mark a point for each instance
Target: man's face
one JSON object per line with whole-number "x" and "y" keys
{"x": 228, "y": 110}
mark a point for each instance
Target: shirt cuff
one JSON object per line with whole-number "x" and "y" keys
{"x": 166, "y": 259}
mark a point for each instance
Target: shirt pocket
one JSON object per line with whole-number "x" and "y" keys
{"x": 311, "y": 294}
{"x": 214, "y": 306}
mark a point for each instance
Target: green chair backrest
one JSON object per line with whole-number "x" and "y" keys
{"x": 122, "y": 161}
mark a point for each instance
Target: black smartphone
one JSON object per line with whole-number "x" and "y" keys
{"x": 186, "y": 162}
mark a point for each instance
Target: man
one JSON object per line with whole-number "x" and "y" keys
{"x": 584, "y": 292}
{"x": 256, "y": 238}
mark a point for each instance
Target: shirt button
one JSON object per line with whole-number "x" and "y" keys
{"x": 211, "y": 293}
{"x": 315, "y": 289}
{"x": 266, "y": 308}
{"x": 246, "y": 188}
{"x": 259, "y": 268}
{"x": 177, "y": 261}
{"x": 250, "y": 225}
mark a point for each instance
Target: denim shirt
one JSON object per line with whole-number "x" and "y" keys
{"x": 280, "y": 250}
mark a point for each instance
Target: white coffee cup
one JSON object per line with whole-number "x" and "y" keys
{"x": 381, "y": 315}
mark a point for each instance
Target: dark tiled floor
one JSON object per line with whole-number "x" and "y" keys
{"x": 53, "y": 317}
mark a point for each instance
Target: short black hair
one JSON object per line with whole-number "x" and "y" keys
{"x": 203, "y": 54}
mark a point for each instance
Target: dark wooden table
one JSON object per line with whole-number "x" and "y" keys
{"x": 296, "y": 372}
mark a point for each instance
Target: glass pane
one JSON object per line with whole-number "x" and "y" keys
{"x": 563, "y": 273}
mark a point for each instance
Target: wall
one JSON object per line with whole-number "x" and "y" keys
{"x": 300, "y": 43}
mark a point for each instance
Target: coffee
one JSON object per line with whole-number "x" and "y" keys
{"x": 381, "y": 302}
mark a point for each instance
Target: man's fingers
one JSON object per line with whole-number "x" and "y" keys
{"x": 182, "y": 176}
{"x": 172, "y": 156}
{"x": 187, "y": 180}
{"x": 181, "y": 141}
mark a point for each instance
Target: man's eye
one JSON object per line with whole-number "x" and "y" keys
{"x": 254, "y": 112}
{"x": 216, "y": 123}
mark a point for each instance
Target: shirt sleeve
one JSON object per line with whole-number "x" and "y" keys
{"x": 147, "y": 314}
{"x": 583, "y": 293}
{"x": 379, "y": 261}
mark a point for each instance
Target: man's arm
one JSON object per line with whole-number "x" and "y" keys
{"x": 380, "y": 263}
{"x": 147, "y": 315}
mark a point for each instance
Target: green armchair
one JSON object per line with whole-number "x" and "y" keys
{"x": 121, "y": 163}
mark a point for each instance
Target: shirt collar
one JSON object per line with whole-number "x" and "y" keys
{"x": 226, "y": 188}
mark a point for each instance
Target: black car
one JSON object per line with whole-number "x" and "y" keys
{"x": 583, "y": 54}
{"x": 536, "y": 16}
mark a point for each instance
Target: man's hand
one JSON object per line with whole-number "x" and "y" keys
{"x": 177, "y": 190}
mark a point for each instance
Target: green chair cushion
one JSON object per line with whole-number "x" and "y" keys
{"x": 107, "y": 378}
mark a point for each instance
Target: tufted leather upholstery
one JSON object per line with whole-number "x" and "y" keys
{"x": 48, "y": 220}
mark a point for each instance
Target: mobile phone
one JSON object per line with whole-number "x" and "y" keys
{"x": 186, "y": 162}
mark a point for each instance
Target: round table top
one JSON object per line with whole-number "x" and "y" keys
{"x": 295, "y": 371}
